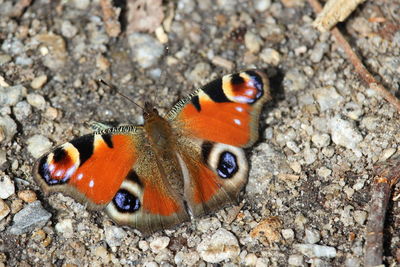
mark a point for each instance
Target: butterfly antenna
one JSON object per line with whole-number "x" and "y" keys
{"x": 113, "y": 87}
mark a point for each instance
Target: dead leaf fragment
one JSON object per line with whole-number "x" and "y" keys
{"x": 268, "y": 231}
{"x": 335, "y": 11}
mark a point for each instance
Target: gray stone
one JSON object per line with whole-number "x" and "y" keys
{"x": 9, "y": 96}
{"x": 114, "y": 235}
{"x": 22, "y": 110}
{"x": 318, "y": 52}
{"x": 261, "y": 5}
{"x": 344, "y": 134}
{"x": 36, "y": 101}
{"x": 312, "y": 236}
{"x": 29, "y": 218}
{"x": 328, "y": 98}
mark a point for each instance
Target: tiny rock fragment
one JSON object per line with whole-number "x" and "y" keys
{"x": 56, "y": 55}
{"x": 102, "y": 63}
{"x": 38, "y": 145}
{"x": 110, "y": 17}
{"x": 27, "y": 195}
{"x": 8, "y": 128}
{"x": 335, "y": 11}
{"x": 159, "y": 243}
{"x": 312, "y": 250}
{"x": 222, "y": 62}
{"x": 161, "y": 35}
{"x": 39, "y": 81}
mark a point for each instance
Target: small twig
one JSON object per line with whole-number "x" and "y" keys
{"x": 358, "y": 65}
{"x": 387, "y": 175}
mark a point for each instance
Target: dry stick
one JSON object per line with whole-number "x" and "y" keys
{"x": 387, "y": 175}
{"x": 355, "y": 60}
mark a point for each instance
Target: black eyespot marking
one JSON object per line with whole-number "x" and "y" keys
{"x": 205, "y": 150}
{"x": 132, "y": 176}
{"x": 196, "y": 103}
{"x": 107, "y": 140}
{"x": 124, "y": 201}
{"x": 44, "y": 172}
{"x": 84, "y": 145}
{"x": 215, "y": 92}
{"x": 59, "y": 154}
{"x": 227, "y": 165}
{"x": 236, "y": 79}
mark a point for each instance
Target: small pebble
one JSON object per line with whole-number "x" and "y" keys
{"x": 4, "y": 209}
{"x": 3, "y": 157}
{"x": 27, "y": 195}
{"x": 186, "y": 258}
{"x": 222, "y": 245}
{"x": 22, "y": 110}
{"x": 36, "y": 101}
{"x": 387, "y": 153}
{"x": 16, "y": 205}
{"x": 68, "y": 30}
{"x": 51, "y": 113}
{"x": 143, "y": 245}
{"x": 223, "y": 63}
{"x": 250, "y": 259}
{"x": 39, "y": 81}
{"x": 53, "y": 49}
{"x": 253, "y": 42}
{"x": 81, "y": 4}
{"x": 261, "y": 5}
{"x": 321, "y": 140}
{"x": 312, "y": 236}
{"x": 114, "y": 235}
{"x": 267, "y": 231}
{"x": 270, "y": 56}
{"x": 29, "y": 218}
{"x": 312, "y": 250}
{"x": 296, "y": 260}
{"x": 102, "y": 63}
{"x": 328, "y": 98}
{"x": 324, "y": 172}
{"x": 309, "y": 155}
{"x": 294, "y": 80}
{"x": 9, "y": 96}
{"x": 318, "y": 52}
{"x": 38, "y": 145}
{"x": 344, "y": 133}
{"x": 7, "y": 187}
{"x": 146, "y": 50}
{"x": 65, "y": 228}
{"x": 159, "y": 243}
{"x": 8, "y": 128}
{"x": 360, "y": 216}
{"x": 287, "y": 234}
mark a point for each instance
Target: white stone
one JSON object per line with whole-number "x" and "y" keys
{"x": 7, "y": 187}
{"x": 38, "y": 145}
{"x": 146, "y": 49}
{"x": 186, "y": 258}
{"x": 222, "y": 245}
{"x": 328, "y": 98}
{"x": 159, "y": 243}
{"x": 296, "y": 260}
{"x": 321, "y": 140}
{"x": 287, "y": 234}
{"x": 270, "y": 56}
{"x": 344, "y": 133}
{"x": 253, "y": 42}
{"x": 261, "y": 5}
{"x": 65, "y": 228}
{"x": 312, "y": 236}
{"x": 38, "y": 82}
{"x": 312, "y": 250}
{"x": 114, "y": 235}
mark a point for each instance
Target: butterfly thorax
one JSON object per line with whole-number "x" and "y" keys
{"x": 158, "y": 130}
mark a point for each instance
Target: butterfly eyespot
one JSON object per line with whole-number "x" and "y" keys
{"x": 124, "y": 201}
{"x": 45, "y": 171}
{"x": 227, "y": 165}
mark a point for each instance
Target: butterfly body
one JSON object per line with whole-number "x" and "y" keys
{"x": 153, "y": 176}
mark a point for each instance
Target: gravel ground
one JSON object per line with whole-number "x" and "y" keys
{"x": 306, "y": 201}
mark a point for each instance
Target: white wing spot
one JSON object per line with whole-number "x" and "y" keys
{"x": 240, "y": 109}
{"x": 79, "y": 177}
{"x": 59, "y": 173}
{"x": 91, "y": 183}
{"x": 237, "y": 121}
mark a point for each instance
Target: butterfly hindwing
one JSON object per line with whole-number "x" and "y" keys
{"x": 213, "y": 125}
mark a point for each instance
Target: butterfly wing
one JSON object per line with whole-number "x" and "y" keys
{"x": 213, "y": 125}
{"x": 115, "y": 170}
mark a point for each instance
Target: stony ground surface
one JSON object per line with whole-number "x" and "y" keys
{"x": 306, "y": 202}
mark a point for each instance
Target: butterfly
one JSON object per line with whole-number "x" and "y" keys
{"x": 186, "y": 164}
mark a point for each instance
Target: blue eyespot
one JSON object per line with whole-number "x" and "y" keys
{"x": 227, "y": 165}
{"x": 126, "y": 202}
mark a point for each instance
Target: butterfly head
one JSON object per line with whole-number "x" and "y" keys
{"x": 149, "y": 111}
